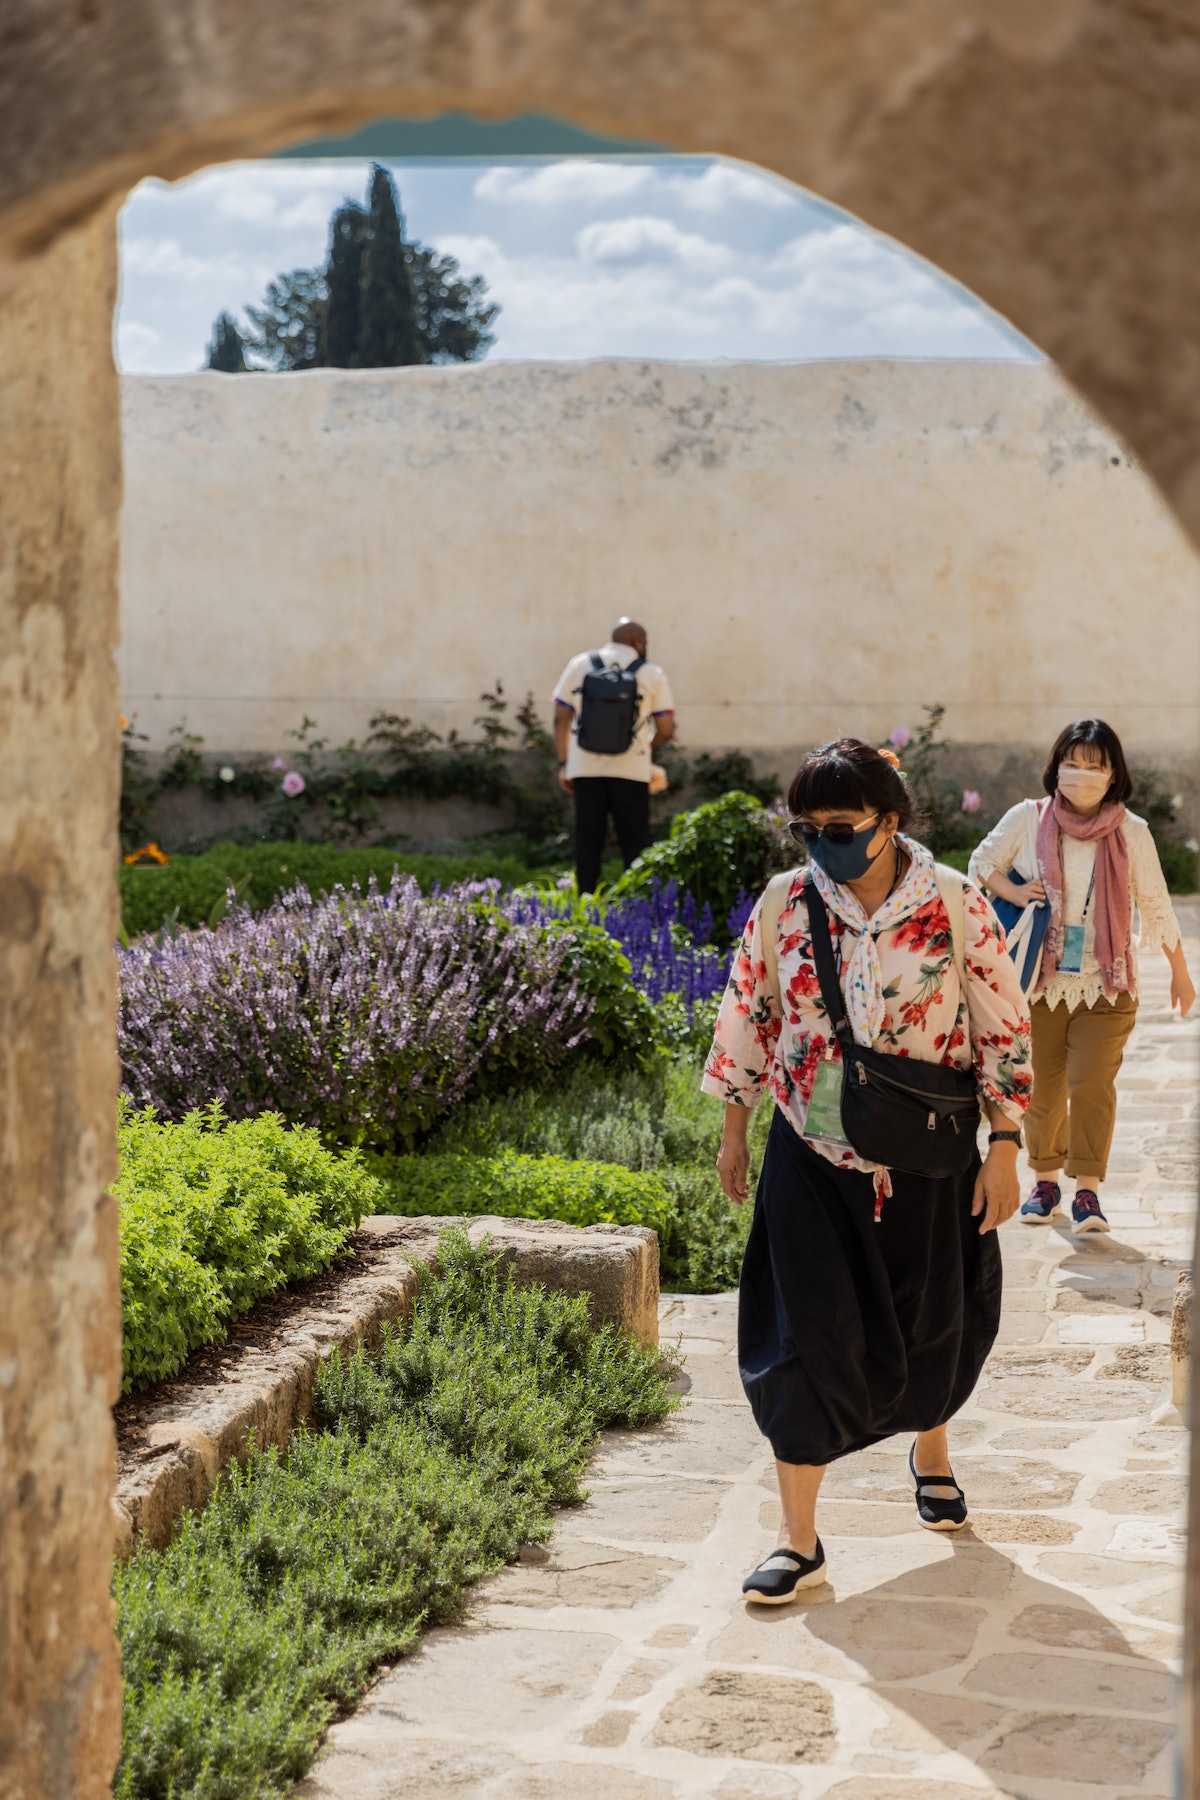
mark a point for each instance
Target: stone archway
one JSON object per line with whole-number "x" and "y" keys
{"x": 1045, "y": 152}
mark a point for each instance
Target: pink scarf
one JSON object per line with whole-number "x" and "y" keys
{"x": 1111, "y": 902}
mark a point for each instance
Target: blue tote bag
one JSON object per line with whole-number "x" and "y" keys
{"x": 1025, "y": 927}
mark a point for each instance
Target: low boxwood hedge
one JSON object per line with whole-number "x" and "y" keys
{"x": 189, "y": 889}
{"x": 516, "y": 1186}
{"x": 213, "y": 1216}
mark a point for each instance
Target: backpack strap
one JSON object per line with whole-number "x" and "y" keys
{"x": 639, "y": 662}
{"x": 950, "y": 887}
{"x": 774, "y": 901}
{"x": 598, "y": 663}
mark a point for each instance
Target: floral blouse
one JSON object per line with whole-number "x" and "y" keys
{"x": 757, "y": 1047}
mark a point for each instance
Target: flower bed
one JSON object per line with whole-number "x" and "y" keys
{"x": 368, "y": 1015}
{"x": 213, "y": 1216}
{"x": 430, "y": 1467}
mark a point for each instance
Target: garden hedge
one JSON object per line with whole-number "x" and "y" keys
{"x": 515, "y": 1186}
{"x": 189, "y": 889}
{"x": 213, "y": 1216}
{"x": 270, "y": 1610}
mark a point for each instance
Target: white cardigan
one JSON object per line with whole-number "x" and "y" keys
{"x": 1011, "y": 845}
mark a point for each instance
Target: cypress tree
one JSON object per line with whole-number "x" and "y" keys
{"x": 343, "y": 281}
{"x": 388, "y": 333}
{"x": 227, "y": 351}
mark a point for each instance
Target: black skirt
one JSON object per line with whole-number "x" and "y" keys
{"x": 848, "y": 1330}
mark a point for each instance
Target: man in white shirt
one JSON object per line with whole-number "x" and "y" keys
{"x": 612, "y": 783}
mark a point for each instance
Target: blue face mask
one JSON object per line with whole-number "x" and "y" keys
{"x": 846, "y": 862}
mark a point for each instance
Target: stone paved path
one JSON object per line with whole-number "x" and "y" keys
{"x": 1032, "y": 1657}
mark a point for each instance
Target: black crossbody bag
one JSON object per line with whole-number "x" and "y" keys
{"x": 915, "y": 1116}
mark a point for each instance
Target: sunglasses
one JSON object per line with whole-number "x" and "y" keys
{"x": 805, "y": 832}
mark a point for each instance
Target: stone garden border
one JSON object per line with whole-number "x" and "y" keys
{"x": 175, "y": 1447}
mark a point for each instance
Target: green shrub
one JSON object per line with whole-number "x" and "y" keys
{"x": 717, "y": 852}
{"x": 214, "y": 1215}
{"x": 515, "y": 1186}
{"x": 271, "y": 1608}
{"x": 624, "y": 1026}
{"x": 657, "y": 1122}
{"x": 1179, "y": 866}
{"x": 189, "y": 888}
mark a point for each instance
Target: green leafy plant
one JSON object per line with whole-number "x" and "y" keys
{"x": 710, "y": 774}
{"x": 656, "y": 1122}
{"x": 624, "y": 1025}
{"x": 1161, "y": 812}
{"x": 429, "y": 1468}
{"x": 515, "y": 1186}
{"x": 950, "y": 817}
{"x": 190, "y": 887}
{"x": 214, "y": 1215}
{"x": 720, "y": 852}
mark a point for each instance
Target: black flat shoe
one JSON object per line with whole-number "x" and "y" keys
{"x": 780, "y": 1576}
{"x": 937, "y": 1514}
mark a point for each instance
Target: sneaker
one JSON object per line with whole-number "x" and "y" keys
{"x": 780, "y": 1577}
{"x": 1086, "y": 1214}
{"x": 1042, "y": 1204}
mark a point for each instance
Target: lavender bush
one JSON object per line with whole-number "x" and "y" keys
{"x": 368, "y": 1015}
{"x": 663, "y": 932}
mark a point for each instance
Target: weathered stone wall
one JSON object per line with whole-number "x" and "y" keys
{"x": 59, "y": 1305}
{"x": 1045, "y": 154}
{"x": 815, "y": 548}
{"x": 1048, "y": 155}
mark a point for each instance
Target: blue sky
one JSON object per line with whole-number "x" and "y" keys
{"x": 642, "y": 256}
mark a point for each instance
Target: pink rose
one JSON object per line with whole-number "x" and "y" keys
{"x": 971, "y": 801}
{"x": 292, "y": 784}
{"x": 277, "y": 762}
{"x": 900, "y": 738}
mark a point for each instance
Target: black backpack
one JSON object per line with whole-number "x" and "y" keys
{"x": 608, "y": 707}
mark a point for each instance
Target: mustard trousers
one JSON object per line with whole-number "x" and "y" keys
{"x": 1076, "y": 1056}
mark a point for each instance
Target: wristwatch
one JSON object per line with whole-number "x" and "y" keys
{"x": 1005, "y": 1137}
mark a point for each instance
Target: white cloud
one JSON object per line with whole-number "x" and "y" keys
{"x": 139, "y": 347}
{"x": 709, "y": 259}
{"x": 725, "y": 184}
{"x": 627, "y": 240}
{"x": 165, "y": 258}
{"x": 575, "y": 183}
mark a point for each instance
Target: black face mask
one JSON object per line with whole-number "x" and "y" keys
{"x": 847, "y": 861}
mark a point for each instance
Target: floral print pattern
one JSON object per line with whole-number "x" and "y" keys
{"x": 760, "y": 1045}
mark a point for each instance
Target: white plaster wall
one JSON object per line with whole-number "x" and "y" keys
{"x": 814, "y": 547}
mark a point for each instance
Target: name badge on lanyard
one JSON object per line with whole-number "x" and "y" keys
{"x": 1075, "y": 936}
{"x": 824, "y": 1117}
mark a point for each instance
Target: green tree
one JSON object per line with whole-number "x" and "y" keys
{"x": 287, "y": 326}
{"x": 453, "y": 310}
{"x": 226, "y": 352}
{"x": 380, "y": 300}
{"x": 343, "y": 279}
{"x": 387, "y": 310}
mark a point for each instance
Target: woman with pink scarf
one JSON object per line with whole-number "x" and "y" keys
{"x": 1092, "y": 863}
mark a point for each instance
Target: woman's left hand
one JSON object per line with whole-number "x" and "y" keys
{"x": 997, "y": 1189}
{"x": 1183, "y": 994}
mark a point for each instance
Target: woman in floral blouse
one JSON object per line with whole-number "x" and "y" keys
{"x": 869, "y": 1298}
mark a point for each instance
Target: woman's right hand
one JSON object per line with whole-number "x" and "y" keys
{"x": 733, "y": 1158}
{"x": 1015, "y": 892}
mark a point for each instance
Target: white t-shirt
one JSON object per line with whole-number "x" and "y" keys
{"x": 654, "y": 697}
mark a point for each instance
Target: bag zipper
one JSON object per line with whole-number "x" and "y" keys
{"x": 865, "y": 1080}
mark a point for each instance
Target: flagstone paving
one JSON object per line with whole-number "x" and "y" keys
{"x": 1034, "y": 1656}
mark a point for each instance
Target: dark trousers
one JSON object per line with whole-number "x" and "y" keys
{"x": 596, "y": 797}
